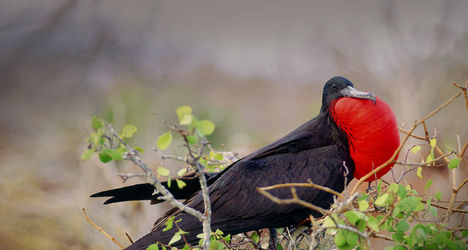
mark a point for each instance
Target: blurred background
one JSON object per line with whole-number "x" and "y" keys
{"x": 256, "y": 69}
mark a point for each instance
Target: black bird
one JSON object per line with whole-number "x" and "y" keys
{"x": 316, "y": 151}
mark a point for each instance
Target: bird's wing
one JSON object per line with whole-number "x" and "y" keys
{"x": 237, "y": 205}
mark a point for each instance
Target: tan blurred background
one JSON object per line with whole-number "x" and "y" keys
{"x": 255, "y": 68}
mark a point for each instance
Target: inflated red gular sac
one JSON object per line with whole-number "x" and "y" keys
{"x": 372, "y": 132}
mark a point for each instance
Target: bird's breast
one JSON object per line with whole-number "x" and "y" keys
{"x": 372, "y": 133}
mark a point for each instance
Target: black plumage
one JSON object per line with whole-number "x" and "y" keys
{"x": 316, "y": 151}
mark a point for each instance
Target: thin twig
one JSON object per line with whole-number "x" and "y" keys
{"x": 101, "y": 230}
{"x": 292, "y": 201}
{"x": 397, "y": 151}
{"x": 309, "y": 184}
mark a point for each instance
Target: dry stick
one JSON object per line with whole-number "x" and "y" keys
{"x": 310, "y": 184}
{"x": 446, "y": 208}
{"x": 206, "y": 221}
{"x": 292, "y": 201}
{"x": 397, "y": 151}
{"x": 132, "y": 155}
{"x": 101, "y": 230}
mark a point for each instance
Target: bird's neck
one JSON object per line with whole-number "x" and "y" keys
{"x": 371, "y": 131}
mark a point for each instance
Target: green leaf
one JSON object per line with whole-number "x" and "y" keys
{"x": 218, "y": 157}
{"x": 175, "y": 238}
{"x": 192, "y": 139}
{"x": 454, "y": 163}
{"x": 87, "y": 154}
{"x": 96, "y": 123}
{"x": 433, "y": 211}
{"x": 169, "y": 224}
{"x": 394, "y": 187}
{"x": 340, "y": 239}
{"x": 381, "y": 200}
{"x": 363, "y": 205}
{"x": 182, "y": 111}
{"x": 398, "y": 236}
{"x": 438, "y": 196}
{"x": 164, "y": 140}
{"x": 354, "y": 216}
{"x": 415, "y": 149}
{"x": 352, "y": 239}
{"x": 255, "y": 237}
{"x": 373, "y": 223}
{"x": 139, "y": 149}
{"x": 419, "y": 172}
{"x": 433, "y": 142}
{"x": 153, "y": 247}
{"x": 128, "y": 131}
{"x": 186, "y": 119}
{"x": 206, "y": 127}
{"x": 182, "y": 172}
{"x": 180, "y": 183}
{"x": 114, "y": 154}
{"x": 428, "y": 184}
{"x": 162, "y": 171}
{"x": 430, "y": 157}
{"x": 105, "y": 158}
{"x": 329, "y": 221}
{"x": 402, "y": 226}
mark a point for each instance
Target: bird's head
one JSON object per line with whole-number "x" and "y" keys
{"x": 338, "y": 87}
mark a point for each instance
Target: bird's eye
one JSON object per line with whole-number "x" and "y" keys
{"x": 334, "y": 86}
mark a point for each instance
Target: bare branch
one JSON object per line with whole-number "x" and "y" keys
{"x": 101, "y": 230}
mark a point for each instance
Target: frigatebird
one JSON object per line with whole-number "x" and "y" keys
{"x": 354, "y": 130}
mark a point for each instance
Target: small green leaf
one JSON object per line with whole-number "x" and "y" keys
{"x": 153, "y": 247}
{"x": 381, "y": 200}
{"x": 182, "y": 111}
{"x": 329, "y": 221}
{"x": 96, "y": 123}
{"x": 340, "y": 239}
{"x": 180, "y": 183}
{"x": 128, "y": 131}
{"x": 182, "y": 172}
{"x": 87, "y": 154}
{"x": 454, "y": 163}
{"x": 354, "y": 216}
{"x": 419, "y": 172}
{"x": 105, "y": 158}
{"x": 430, "y": 157}
{"x": 255, "y": 237}
{"x": 218, "y": 157}
{"x": 373, "y": 223}
{"x": 352, "y": 239}
{"x": 164, "y": 140}
{"x": 363, "y": 205}
{"x": 169, "y": 224}
{"x": 428, "y": 184}
{"x": 206, "y": 127}
{"x": 186, "y": 119}
{"x": 192, "y": 139}
{"x": 175, "y": 238}
{"x": 398, "y": 236}
{"x": 162, "y": 171}
{"x": 415, "y": 149}
{"x": 114, "y": 154}
{"x": 438, "y": 196}
{"x": 139, "y": 149}
{"x": 402, "y": 226}
{"x": 433, "y": 142}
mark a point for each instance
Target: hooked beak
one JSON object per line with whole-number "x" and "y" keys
{"x": 352, "y": 92}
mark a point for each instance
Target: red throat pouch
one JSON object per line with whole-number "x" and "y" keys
{"x": 372, "y": 131}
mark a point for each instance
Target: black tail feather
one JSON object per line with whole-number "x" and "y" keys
{"x": 129, "y": 193}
